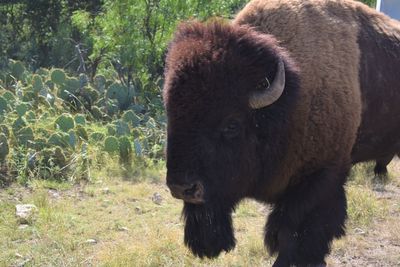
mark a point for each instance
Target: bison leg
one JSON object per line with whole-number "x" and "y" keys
{"x": 306, "y": 219}
{"x": 381, "y": 163}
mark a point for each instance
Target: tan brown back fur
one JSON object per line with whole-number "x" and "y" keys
{"x": 322, "y": 38}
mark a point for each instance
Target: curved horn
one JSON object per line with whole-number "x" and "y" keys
{"x": 269, "y": 95}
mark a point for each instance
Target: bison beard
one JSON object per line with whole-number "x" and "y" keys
{"x": 208, "y": 229}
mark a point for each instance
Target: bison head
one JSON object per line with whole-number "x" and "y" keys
{"x": 226, "y": 100}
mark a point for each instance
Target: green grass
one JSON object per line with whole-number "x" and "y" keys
{"x": 131, "y": 230}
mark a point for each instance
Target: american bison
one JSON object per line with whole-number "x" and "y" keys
{"x": 276, "y": 106}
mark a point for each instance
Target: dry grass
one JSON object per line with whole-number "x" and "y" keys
{"x": 131, "y": 230}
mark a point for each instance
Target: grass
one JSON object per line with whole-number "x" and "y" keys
{"x": 114, "y": 222}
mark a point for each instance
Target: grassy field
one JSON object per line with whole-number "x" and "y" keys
{"x": 115, "y": 222}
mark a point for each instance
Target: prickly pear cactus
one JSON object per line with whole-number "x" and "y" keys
{"x": 40, "y": 144}
{"x": 30, "y": 116}
{"x": 80, "y": 119}
{"x": 57, "y": 139}
{"x": 21, "y": 109}
{"x": 53, "y": 156}
{"x": 17, "y": 69}
{"x": 25, "y": 136}
{"x": 111, "y": 144}
{"x": 4, "y": 148}
{"x": 72, "y": 85}
{"x": 58, "y": 76}
{"x": 111, "y": 107}
{"x": 43, "y": 132}
{"x": 100, "y": 83}
{"x": 18, "y": 124}
{"x": 111, "y": 129}
{"x": 37, "y": 83}
{"x": 121, "y": 128}
{"x": 89, "y": 94}
{"x": 9, "y": 96}
{"x": 3, "y": 105}
{"x": 73, "y": 139}
{"x": 97, "y": 113}
{"x": 65, "y": 122}
{"x": 120, "y": 93}
{"x": 59, "y": 156}
{"x": 96, "y": 137}
{"x": 125, "y": 149}
{"x": 4, "y": 130}
{"x": 49, "y": 84}
{"x": 44, "y": 101}
{"x": 28, "y": 94}
{"x": 82, "y": 133}
{"x": 130, "y": 117}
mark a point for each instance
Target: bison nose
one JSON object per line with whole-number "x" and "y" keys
{"x": 191, "y": 193}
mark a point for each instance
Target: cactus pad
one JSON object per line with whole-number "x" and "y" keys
{"x": 37, "y": 83}
{"x": 65, "y": 122}
{"x": 57, "y": 139}
{"x": 82, "y": 133}
{"x": 58, "y": 76}
{"x": 4, "y": 148}
{"x": 80, "y": 119}
{"x": 100, "y": 83}
{"x": 25, "y": 136}
{"x": 111, "y": 144}
{"x": 97, "y": 137}
{"x": 3, "y": 105}
{"x": 8, "y": 96}
{"x": 125, "y": 149}
{"x": 121, "y": 128}
{"x": 17, "y": 69}
{"x": 4, "y": 130}
{"x": 130, "y": 117}
{"x": 120, "y": 93}
{"x": 21, "y": 109}
{"x": 18, "y": 124}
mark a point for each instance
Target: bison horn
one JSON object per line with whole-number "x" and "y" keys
{"x": 269, "y": 95}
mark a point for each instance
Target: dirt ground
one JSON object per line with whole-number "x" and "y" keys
{"x": 378, "y": 244}
{"x": 120, "y": 223}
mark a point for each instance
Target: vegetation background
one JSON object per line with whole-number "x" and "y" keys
{"x": 82, "y": 133}
{"x": 97, "y": 62}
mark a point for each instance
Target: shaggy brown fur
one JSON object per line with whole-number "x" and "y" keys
{"x": 321, "y": 37}
{"x": 295, "y": 153}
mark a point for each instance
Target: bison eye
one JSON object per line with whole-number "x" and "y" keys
{"x": 263, "y": 85}
{"x": 232, "y": 129}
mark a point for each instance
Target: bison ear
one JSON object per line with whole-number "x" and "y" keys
{"x": 272, "y": 92}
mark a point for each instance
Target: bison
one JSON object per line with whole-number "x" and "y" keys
{"x": 276, "y": 106}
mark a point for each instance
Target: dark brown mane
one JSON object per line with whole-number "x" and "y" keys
{"x": 209, "y": 52}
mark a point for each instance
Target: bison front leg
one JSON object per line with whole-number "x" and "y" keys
{"x": 304, "y": 222}
{"x": 381, "y": 163}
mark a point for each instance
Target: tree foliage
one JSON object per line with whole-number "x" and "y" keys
{"x": 128, "y": 36}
